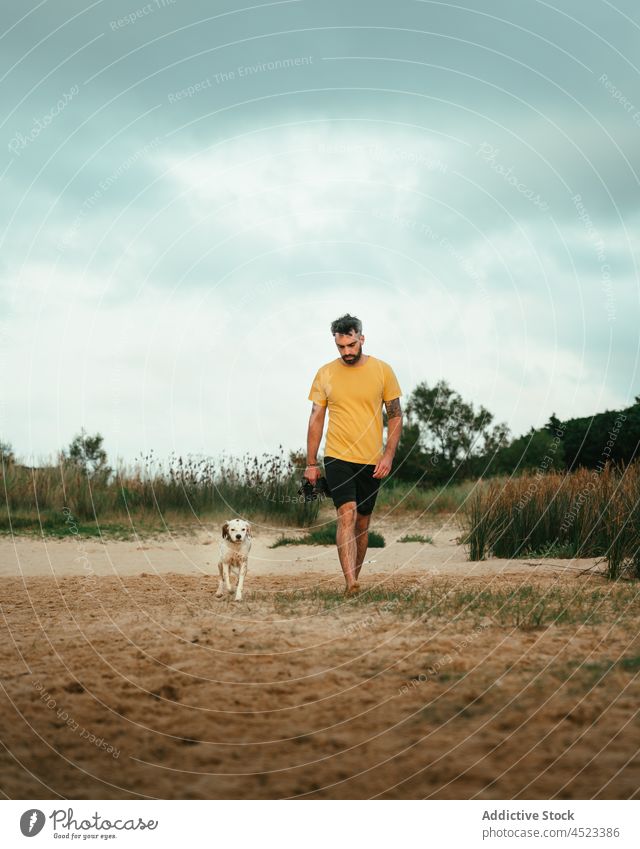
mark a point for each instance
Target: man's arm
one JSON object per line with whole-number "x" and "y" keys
{"x": 314, "y": 436}
{"x": 394, "y": 429}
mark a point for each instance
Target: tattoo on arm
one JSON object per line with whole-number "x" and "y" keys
{"x": 393, "y": 408}
{"x": 317, "y": 410}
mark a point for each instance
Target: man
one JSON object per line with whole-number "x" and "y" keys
{"x": 353, "y": 388}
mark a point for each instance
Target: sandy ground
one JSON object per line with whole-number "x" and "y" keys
{"x": 198, "y": 555}
{"x": 123, "y": 677}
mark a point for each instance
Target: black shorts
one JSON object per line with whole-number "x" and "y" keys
{"x": 352, "y": 482}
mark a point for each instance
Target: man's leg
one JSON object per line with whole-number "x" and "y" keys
{"x": 346, "y": 541}
{"x": 362, "y": 539}
{"x": 366, "y": 495}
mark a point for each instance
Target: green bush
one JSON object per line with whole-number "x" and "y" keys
{"x": 325, "y": 535}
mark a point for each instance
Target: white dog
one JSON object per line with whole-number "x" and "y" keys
{"x": 234, "y": 554}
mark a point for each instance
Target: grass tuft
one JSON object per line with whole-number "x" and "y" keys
{"x": 522, "y": 606}
{"x": 325, "y": 535}
{"x": 426, "y": 540}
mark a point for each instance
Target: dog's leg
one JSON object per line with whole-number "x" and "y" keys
{"x": 220, "y": 592}
{"x": 227, "y": 580}
{"x": 242, "y": 573}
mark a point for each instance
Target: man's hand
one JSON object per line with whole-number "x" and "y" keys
{"x": 314, "y": 435}
{"x": 383, "y": 466}
{"x": 394, "y": 429}
{"x": 312, "y": 473}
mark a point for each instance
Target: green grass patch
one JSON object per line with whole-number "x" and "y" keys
{"x": 525, "y": 607}
{"x": 320, "y": 599}
{"x": 593, "y": 673}
{"x": 56, "y": 526}
{"x": 400, "y": 497}
{"x": 425, "y": 540}
{"x": 630, "y": 664}
{"x": 284, "y": 540}
{"x": 557, "y": 550}
{"x": 325, "y": 535}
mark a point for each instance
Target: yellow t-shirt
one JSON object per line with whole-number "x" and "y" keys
{"x": 354, "y": 395}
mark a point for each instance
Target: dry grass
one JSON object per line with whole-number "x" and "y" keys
{"x": 42, "y": 499}
{"x": 587, "y": 513}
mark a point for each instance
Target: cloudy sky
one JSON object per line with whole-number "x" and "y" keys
{"x": 192, "y": 191}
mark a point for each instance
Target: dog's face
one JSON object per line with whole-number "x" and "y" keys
{"x": 236, "y": 530}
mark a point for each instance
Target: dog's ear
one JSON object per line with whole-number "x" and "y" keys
{"x": 225, "y": 530}
{"x": 248, "y": 529}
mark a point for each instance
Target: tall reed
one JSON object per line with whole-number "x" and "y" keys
{"x": 586, "y": 513}
{"x": 264, "y": 486}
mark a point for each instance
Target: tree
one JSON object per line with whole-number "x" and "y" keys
{"x": 6, "y": 453}
{"x": 554, "y": 426}
{"x": 452, "y": 435}
{"x": 411, "y": 462}
{"x": 536, "y": 450}
{"x": 87, "y": 453}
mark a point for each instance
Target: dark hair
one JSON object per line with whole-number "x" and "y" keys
{"x": 346, "y": 324}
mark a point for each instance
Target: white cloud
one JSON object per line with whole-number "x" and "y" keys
{"x": 152, "y": 355}
{"x": 294, "y": 184}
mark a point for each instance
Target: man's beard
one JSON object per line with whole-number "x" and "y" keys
{"x": 352, "y": 359}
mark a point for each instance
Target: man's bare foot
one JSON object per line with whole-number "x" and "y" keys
{"x": 354, "y": 589}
